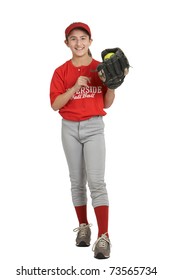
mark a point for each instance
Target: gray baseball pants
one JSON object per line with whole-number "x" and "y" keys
{"x": 84, "y": 147}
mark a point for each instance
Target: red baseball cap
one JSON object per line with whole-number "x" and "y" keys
{"x": 77, "y": 25}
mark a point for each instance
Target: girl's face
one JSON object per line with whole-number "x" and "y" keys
{"x": 79, "y": 42}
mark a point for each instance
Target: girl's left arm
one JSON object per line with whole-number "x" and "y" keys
{"x": 109, "y": 98}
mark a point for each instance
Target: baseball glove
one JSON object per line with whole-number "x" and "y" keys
{"x": 114, "y": 68}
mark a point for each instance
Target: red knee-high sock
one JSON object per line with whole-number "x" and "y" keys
{"x": 102, "y": 213}
{"x": 81, "y": 212}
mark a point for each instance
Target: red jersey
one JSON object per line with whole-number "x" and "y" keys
{"x": 85, "y": 103}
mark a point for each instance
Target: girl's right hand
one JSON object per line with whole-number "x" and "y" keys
{"x": 82, "y": 81}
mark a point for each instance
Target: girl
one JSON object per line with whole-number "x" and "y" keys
{"x": 77, "y": 92}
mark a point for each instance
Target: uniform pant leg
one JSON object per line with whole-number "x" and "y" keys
{"x": 94, "y": 154}
{"x": 75, "y": 158}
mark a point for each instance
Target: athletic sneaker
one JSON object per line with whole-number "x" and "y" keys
{"x": 101, "y": 247}
{"x": 84, "y": 235}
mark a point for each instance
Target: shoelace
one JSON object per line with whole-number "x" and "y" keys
{"x": 82, "y": 229}
{"x": 102, "y": 240}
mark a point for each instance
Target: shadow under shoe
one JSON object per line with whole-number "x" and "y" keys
{"x": 83, "y": 236}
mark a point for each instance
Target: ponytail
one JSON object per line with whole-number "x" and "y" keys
{"x": 89, "y": 53}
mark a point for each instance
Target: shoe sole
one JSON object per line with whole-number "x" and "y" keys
{"x": 101, "y": 256}
{"x": 82, "y": 244}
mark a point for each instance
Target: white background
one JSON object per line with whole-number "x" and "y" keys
{"x": 37, "y": 216}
